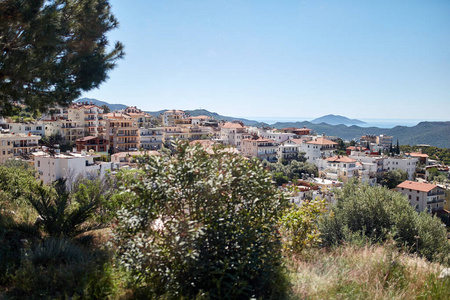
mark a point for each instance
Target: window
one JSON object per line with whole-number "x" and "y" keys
{"x": 417, "y": 198}
{"x": 39, "y": 163}
{"x": 409, "y": 197}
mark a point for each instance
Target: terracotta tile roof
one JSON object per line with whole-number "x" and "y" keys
{"x": 417, "y": 186}
{"x": 321, "y": 141}
{"x": 297, "y": 141}
{"x": 343, "y": 159}
{"x": 232, "y": 125}
{"x": 417, "y": 154}
{"x": 201, "y": 117}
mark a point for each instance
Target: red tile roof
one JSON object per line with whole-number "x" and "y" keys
{"x": 297, "y": 141}
{"x": 321, "y": 141}
{"x": 417, "y": 154}
{"x": 417, "y": 186}
{"x": 343, "y": 159}
{"x": 232, "y": 125}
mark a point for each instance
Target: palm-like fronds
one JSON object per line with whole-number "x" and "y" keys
{"x": 59, "y": 217}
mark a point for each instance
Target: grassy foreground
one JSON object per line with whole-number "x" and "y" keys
{"x": 368, "y": 272}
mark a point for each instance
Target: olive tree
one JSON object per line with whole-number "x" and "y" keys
{"x": 200, "y": 223}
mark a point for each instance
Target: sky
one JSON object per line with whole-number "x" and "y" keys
{"x": 360, "y": 59}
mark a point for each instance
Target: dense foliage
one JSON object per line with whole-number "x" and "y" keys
{"x": 439, "y": 154}
{"x": 41, "y": 256}
{"x": 392, "y": 178}
{"x": 195, "y": 223}
{"x": 51, "y": 51}
{"x": 377, "y": 214}
{"x": 283, "y": 173}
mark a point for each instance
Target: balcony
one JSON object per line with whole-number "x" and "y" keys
{"x": 127, "y": 134}
{"x": 24, "y": 145}
{"x": 430, "y": 194}
{"x": 435, "y": 200}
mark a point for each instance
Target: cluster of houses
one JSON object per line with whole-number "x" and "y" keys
{"x": 130, "y": 132}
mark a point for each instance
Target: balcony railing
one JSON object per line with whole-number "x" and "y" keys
{"x": 435, "y": 201}
{"x": 127, "y": 134}
{"x": 24, "y": 145}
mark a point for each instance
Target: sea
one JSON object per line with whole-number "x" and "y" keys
{"x": 380, "y": 123}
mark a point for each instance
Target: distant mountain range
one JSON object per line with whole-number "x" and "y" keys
{"x": 336, "y": 120}
{"x": 431, "y": 133}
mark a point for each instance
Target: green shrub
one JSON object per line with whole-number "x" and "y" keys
{"x": 299, "y": 225}
{"x": 376, "y": 214}
{"x": 198, "y": 224}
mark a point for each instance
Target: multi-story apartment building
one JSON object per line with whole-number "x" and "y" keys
{"x": 200, "y": 120}
{"x": 403, "y": 163}
{"x": 78, "y": 120}
{"x": 95, "y": 143}
{"x": 289, "y": 149}
{"x": 122, "y": 132}
{"x": 17, "y": 144}
{"x": 37, "y": 128}
{"x": 174, "y": 117}
{"x": 276, "y": 136}
{"x": 93, "y": 120}
{"x": 423, "y": 196}
{"x": 151, "y": 138}
{"x": 384, "y": 141}
{"x": 317, "y": 148}
{"x": 233, "y": 134}
{"x": 261, "y": 148}
{"x": 141, "y": 118}
{"x": 368, "y": 140}
{"x": 338, "y": 167}
{"x": 297, "y": 131}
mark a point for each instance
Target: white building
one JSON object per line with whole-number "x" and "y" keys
{"x": 69, "y": 166}
{"x": 37, "y": 128}
{"x": 336, "y": 168}
{"x": 405, "y": 164}
{"x": 318, "y": 147}
{"x": 289, "y": 149}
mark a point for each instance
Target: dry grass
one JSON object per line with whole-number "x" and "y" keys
{"x": 370, "y": 272}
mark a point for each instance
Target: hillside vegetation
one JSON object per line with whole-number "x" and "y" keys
{"x": 193, "y": 224}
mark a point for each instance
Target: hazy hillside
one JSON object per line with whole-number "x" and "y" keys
{"x": 432, "y": 133}
{"x": 336, "y": 120}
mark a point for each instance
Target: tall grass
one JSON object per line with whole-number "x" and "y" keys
{"x": 370, "y": 272}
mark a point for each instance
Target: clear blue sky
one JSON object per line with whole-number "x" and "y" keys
{"x": 360, "y": 59}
